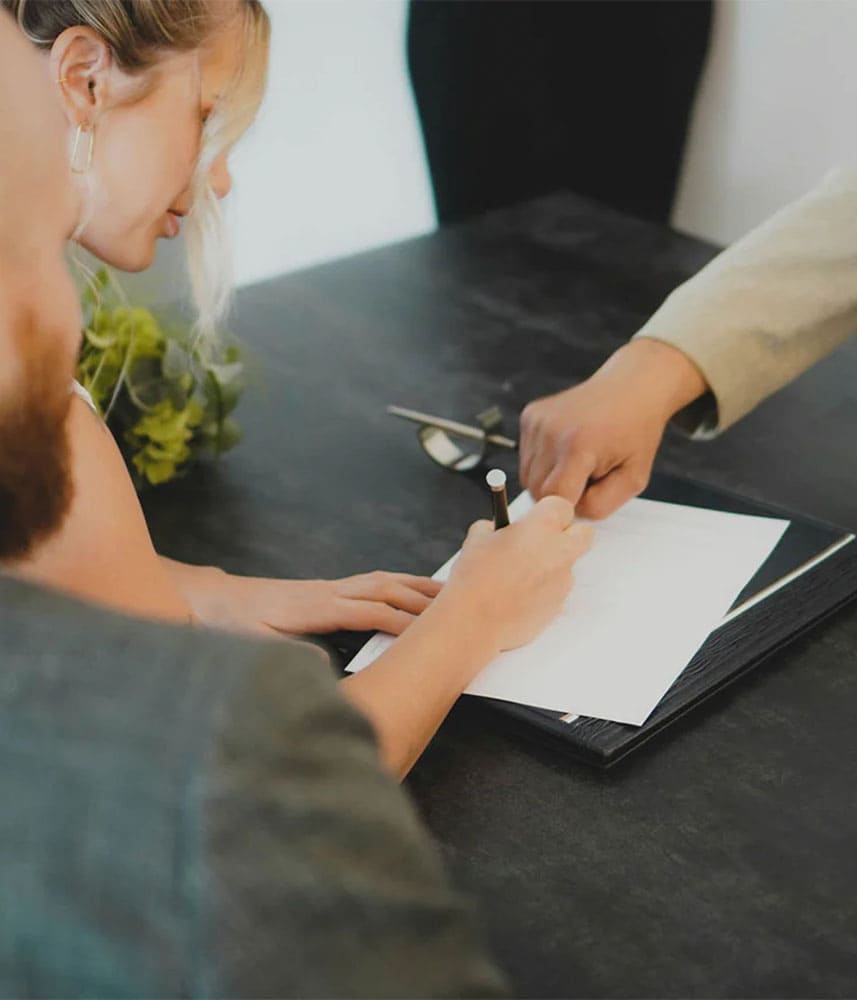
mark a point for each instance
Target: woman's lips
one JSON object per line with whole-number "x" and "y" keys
{"x": 174, "y": 225}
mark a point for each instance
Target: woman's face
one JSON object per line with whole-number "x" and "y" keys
{"x": 145, "y": 151}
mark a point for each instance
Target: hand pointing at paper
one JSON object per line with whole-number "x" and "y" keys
{"x": 758, "y": 315}
{"x": 595, "y": 443}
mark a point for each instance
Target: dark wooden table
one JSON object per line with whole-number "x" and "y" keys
{"x": 721, "y": 860}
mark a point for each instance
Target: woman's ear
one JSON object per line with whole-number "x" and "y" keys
{"x": 81, "y": 61}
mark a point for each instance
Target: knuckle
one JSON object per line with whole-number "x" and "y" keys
{"x": 638, "y": 480}
{"x": 579, "y": 537}
{"x": 557, "y": 505}
{"x": 386, "y": 618}
{"x": 596, "y": 508}
{"x": 402, "y": 621}
{"x": 569, "y": 439}
{"x": 530, "y": 414}
{"x": 584, "y": 448}
{"x": 357, "y": 618}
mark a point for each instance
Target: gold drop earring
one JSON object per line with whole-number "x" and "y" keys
{"x": 81, "y": 153}
{"x": 81, "y": 158}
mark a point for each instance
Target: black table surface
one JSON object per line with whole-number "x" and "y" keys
{"x": 721, "y": 860}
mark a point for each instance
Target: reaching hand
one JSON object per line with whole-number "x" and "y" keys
{"x": 594, "y": 444}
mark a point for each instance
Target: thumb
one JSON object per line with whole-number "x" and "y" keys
{"x": 579, "y": 538}
{"x": 609, "y": 493}
{"x": 479, "y": 529}
{"x": 569, "y": 477}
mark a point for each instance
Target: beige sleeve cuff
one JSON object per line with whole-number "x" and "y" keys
{"x": 769, "y": 307}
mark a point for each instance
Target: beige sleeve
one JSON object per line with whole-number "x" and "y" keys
{"x": 769, "y": 307}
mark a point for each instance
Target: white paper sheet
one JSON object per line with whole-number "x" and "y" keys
{"x": 658, "y": 579}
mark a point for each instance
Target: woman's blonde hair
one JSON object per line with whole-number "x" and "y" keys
{"x": 138, "y": 31}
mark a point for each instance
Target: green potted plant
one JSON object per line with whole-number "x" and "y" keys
{"x": 166, "y": 397}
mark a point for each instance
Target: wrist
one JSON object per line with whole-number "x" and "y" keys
{"x": 464, "y": 627}
{"x": 192, "y": 573}
{"x": 201, "y": 586}
{"x": 662, "y": 368}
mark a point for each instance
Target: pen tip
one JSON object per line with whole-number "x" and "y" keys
{"x": 496, "y": 479}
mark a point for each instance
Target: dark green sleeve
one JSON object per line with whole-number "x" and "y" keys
{"x": 186, "y": 813}
{"x": 315, "y": 877}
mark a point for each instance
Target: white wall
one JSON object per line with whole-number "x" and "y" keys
{"x": 777, "y": 108}
{"x": 335, "y": 162}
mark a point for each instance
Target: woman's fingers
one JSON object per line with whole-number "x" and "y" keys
{"x": 422, "y": 584}
{"x": 366, "y": 616}
{"x": 405, "y": 598}
{"x": 580, "y": 537}
{"x": 479, "y": 529}
{"x": 399, "y": 590}
{"x": 381, "y": 586}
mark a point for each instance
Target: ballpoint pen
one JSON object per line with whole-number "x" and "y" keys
{"x": 496, "y": 480}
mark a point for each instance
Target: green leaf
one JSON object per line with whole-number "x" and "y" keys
{"x": 101, "y": 341}
{"x": 154, "y": 471}
{"x": 174, "y": 399}
{"x": 227, "y": 374}
{"x": 227, "y": 380}
{"x": 145, "y": 383}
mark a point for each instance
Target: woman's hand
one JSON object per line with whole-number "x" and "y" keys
{"x": 388, "y": 602}
{"x": 595, "y": 443}
{"x": 503, "y": 589}
{"x": 514, "y": 581}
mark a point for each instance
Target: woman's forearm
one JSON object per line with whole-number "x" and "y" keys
{"x": 190, "y": 577}
{"x": 408, "y": 691}
{"x": 199, "y": 585}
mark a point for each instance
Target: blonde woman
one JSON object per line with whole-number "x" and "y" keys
{"x": 155, "y": 93}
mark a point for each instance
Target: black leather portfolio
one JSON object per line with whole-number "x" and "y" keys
{"x": 811, "y": 573}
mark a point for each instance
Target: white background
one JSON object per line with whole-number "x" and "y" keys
{"x": 335, "y": 163}
{"x": 777, "y": 108}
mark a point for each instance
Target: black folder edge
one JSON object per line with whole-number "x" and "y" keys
{"x": 761, "y": 624}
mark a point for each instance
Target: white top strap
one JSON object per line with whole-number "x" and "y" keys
{"x": 77, "y": 388}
